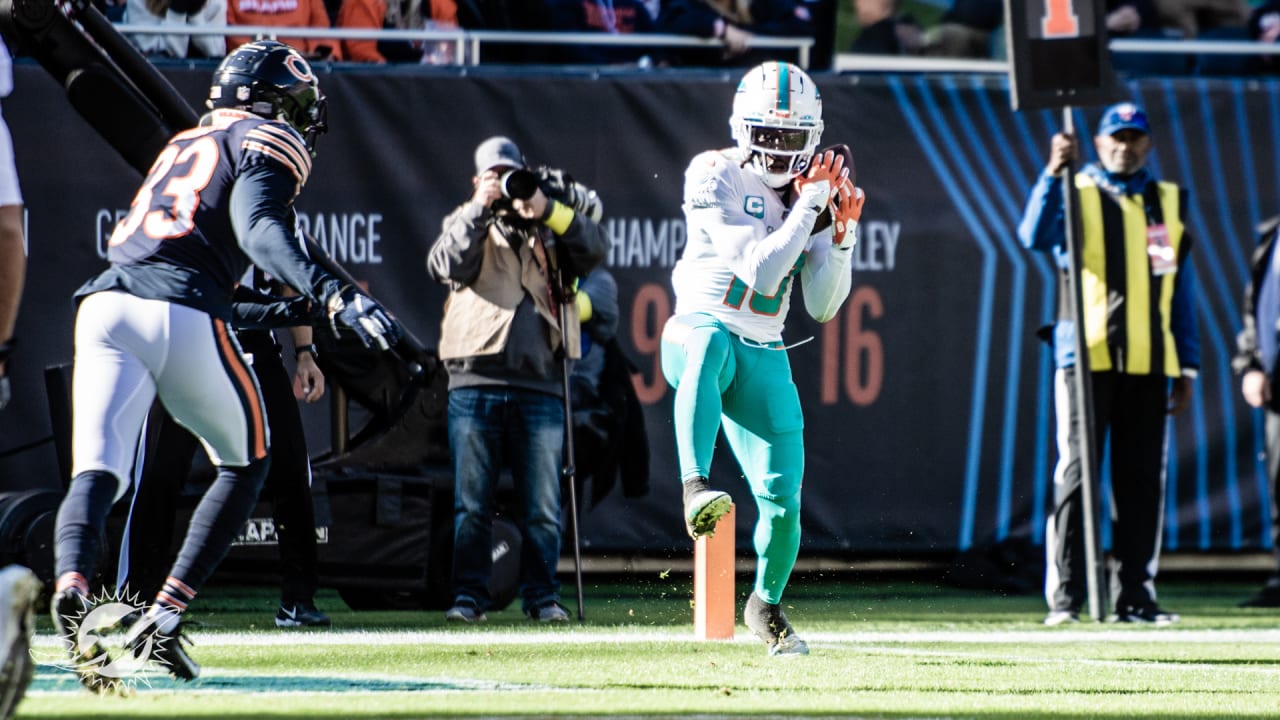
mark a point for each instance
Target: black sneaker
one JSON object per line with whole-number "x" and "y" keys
{"x": 552, "y": 612}
{"x": 465, "y": 610}
{"x": 300, "y": 614}
{"x": 69, "y": 608}
{"x": 1267, "y": 597}
{"x": 769, "y": 623}
{"x": 1150, "y": 614}
{"x": 146, "y": 641}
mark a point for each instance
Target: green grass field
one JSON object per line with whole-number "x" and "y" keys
{"x": 897, "y": 648}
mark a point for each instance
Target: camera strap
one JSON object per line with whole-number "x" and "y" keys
{"x": 549, "y": 271}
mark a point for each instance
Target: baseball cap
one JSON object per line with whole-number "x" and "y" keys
{"x": 1123, "y": 116}
{"x": 498, "y": 151}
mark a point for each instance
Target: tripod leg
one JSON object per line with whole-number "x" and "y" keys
{"x": 569, "y": 474}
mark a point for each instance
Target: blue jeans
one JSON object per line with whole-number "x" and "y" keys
{"x": 491, "y": 427}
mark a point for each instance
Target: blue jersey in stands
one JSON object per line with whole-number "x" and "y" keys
{"x": 179, "y": 241}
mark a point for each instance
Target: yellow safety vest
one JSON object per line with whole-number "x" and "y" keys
{"x": 1126, "y": 307}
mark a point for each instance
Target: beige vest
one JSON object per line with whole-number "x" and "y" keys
{"x": 477, "y": 317}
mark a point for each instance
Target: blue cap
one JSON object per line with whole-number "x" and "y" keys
{"x": 1123, "y": 116}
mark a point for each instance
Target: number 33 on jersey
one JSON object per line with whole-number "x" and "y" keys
{"x": 177, "y": 205}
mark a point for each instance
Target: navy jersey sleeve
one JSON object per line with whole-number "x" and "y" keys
{"x": 275, "y": 144}
{"x": 273, "y": 166}
{"x": 216, "y": 196}
{"x": 260, "y": 203}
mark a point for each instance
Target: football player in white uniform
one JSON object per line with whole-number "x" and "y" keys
{"x": 751, "y": 212}
{"x": 13, "y": 247}
{"x": 19, "y": 591}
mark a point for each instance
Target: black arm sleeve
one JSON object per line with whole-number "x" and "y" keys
{"x": 253, "y": 310}
{"x": 586, "y": 246}
{"x": 260, "y": 202}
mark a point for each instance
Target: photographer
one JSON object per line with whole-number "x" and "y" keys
{"x": 510, "y": 255}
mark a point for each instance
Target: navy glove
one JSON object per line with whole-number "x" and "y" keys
{"x": 353, "y": 310}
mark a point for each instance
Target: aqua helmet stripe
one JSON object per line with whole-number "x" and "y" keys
{"x": 784, "y": 86}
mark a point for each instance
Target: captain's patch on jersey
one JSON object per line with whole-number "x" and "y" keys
{"x": 753, "y": 205}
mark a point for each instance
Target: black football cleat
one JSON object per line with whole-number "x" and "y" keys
{"x": 703, "y": 507}
{"x": 769, "y": 623}
{"x": 146, "y": 641}
{"x": 68, "y": 609}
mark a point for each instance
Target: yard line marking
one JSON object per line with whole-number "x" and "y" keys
{"x": 547, "y": 636}
{"x": 1071, "y": 661}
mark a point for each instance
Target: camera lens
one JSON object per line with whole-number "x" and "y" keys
{"x": 519, "y": 184}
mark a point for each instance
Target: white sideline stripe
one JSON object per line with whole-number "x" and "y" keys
{"x": 1046, "y": 636}
{"x": 915, "y": 652}
{"x": 1055, "y": 636}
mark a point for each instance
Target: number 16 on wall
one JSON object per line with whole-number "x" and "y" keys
{"x": 853, "y": 354}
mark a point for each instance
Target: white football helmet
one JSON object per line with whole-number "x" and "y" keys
{"x": 777, "y": 121}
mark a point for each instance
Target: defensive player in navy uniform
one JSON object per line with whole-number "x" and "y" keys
{"x": 154, "y": 324}
{"x": 751, "y": 212}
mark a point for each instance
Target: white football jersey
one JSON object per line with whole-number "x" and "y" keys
{"x": 740, "y": 262}
{"x": 6, "y": 70}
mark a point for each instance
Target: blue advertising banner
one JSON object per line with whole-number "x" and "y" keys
{"x": 927, "y": 400}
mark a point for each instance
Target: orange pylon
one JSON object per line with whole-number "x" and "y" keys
{"x": 713, "y": 587}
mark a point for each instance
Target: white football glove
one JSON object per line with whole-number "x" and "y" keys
{"x": 846, "y": 211}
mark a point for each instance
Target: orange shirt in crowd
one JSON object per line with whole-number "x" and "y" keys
{"x": 371, "y": 13}
{"x": 283, "y": 13}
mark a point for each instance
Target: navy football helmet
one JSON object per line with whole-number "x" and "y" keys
{"x": 271, "y": 80}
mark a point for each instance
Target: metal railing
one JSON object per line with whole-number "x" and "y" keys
{"x": 467, "y": 44}
{"x": 851, "y": 62}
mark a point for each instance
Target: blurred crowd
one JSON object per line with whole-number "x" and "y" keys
{"x": 931, "y": 28}
{"x": 735, "y": 23}
{"x": 975, "y": 29}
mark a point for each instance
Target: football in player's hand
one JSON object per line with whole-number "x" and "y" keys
{"x": 842, "y": 150}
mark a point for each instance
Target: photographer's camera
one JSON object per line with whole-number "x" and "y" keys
{"x": 520, "y": 184}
